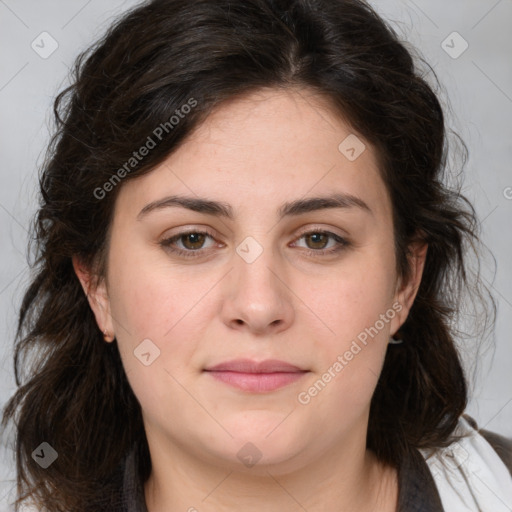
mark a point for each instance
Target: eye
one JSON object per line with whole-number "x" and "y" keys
{"x": 319, "y": 240}
{"x": 192, "y": 242}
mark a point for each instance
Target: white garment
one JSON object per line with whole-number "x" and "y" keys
{"x": 469, "y": 474}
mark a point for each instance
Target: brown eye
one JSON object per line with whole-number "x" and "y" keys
{"x": 319, "y": 240}
{"x": 192, "y": 241}
{"x": 187, "y": 244}
{"x": 317, "y": 243}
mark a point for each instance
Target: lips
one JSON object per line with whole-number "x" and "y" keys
{"x": 256, "y": 377}
{"x": 249, "y": 366}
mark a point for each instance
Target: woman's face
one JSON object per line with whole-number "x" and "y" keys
{"x": 256, "y": 286}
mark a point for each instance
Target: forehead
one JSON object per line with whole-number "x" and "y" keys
{"x": 268, "y": 147}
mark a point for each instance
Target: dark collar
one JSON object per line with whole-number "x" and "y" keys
{"x": 417, "y": 489}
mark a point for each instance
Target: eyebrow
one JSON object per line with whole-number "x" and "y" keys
{"x": 293, "y": 208}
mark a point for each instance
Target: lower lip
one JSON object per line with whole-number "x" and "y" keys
{"x": 257, "y": 382}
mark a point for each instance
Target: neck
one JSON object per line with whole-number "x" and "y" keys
{"x": 347, "y": 479}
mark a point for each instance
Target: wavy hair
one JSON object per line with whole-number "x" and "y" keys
{"x": 72, "y": 389}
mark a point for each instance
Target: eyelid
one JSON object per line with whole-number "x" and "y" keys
{"x": 167, "y": 240}
{"x": 319, "y": 228}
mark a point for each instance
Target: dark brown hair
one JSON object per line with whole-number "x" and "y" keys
{"x": 73, "y": 392}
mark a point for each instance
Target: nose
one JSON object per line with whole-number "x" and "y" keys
{"x": 258, "y": 299}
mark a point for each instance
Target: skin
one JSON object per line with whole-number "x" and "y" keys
{"x": 256, "y": 153}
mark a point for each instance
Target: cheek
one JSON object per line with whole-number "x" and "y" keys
{"x": 154, "y": 306}
{"x": 355, "y": 307}
{"x": 147, "y": 293}
{"x": 156, "y": 344}
{"x": 353, "y": 297}
{"x": 149, "y": 302}
{"x": 351, "y": 352}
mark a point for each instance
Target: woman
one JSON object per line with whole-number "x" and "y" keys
{"x": 248, "y": 274}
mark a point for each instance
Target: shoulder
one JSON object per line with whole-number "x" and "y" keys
{"x": 474, "y": 472}
{"x": 502, "y": 445}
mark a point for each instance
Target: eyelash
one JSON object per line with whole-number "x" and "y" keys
{"x": 342, "y": 243}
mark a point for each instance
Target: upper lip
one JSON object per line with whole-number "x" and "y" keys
{"x": 249, "y": 366}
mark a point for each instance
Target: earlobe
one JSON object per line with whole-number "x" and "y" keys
{"x": 97, "y": 296}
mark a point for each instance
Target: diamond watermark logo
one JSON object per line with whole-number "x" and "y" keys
{"x": 249, "y": 250}
{"x": 146, "y": 352}
{"x": 352, "y": 147}
{"x": 45, "y": 455}
{"x": 44, "y": 45}
{"x": 454, "y": 45}
{"x": 249, "y": 454}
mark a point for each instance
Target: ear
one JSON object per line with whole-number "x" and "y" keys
{"x": 406, "y": 291}
{"x": 97, "y": 296}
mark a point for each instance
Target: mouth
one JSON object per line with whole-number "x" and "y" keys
{"x": 256, "y": 377}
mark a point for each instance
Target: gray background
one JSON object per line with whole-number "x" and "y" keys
{"x": 478, "y": 84}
